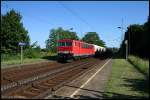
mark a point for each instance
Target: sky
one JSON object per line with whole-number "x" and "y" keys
{"x": 103, "y": 17}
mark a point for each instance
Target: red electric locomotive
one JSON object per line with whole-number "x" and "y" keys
{"x": 68, "y": 49}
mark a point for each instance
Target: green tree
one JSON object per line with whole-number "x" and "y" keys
{"x": 145, "y": 39}
{"x": 56, "y": 34}
{"x": 138, "y": 40}
{"x": 92, "y": 37}
{"x": 12, "y": 32}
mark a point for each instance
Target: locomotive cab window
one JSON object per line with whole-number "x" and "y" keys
{"x": 65, "y": 44}
{"x": 61, "y": 44}
{"x": 68, "y": 43}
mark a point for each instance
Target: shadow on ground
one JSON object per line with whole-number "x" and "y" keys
{"x": 50, "y": 57}
{"x": 117, "y": 56}
{"x": 53, "y": 58}
{"x": 142, "y": 72}
{"x": 134, "y": 84}
{"x": 140, "y": 85}
{"x": 101, "y": 95}
{"x": 104, "y": 95}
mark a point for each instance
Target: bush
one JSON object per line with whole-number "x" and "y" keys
{"x": 27, "y": 53}
{"x": 141, "y": 64}
{"x": 32, "y": 53}
{"x": 9, "y": 56}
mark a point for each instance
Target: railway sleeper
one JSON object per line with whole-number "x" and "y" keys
{"x": 56, "y": 81}
{"x": 47, "y": 92}
{"x": 13, "y": 97}
{"x": 11, "y": 85}
{"x": 51, "y": 82}
{"x": 54, "y": 88}
{"x": 30, "y": 92}
{"x": 38, "y": 87}
{"x": 48, "y": 84}
{"x": 31, "y": 89}
{"x": 7, "y": 78}
{"x": 20, "y": 94}
{"x": 43, "y": 84}
{"x": 20, "y": 82}
{"x": 59, "y": 79}
{"x": 4, "y": 82}
{"x": 43, "y": 87}
{"x": 26, "y": 94}
{"x": 62, "y": 83}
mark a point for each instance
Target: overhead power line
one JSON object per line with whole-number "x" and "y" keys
{"x": 76, "y": 15}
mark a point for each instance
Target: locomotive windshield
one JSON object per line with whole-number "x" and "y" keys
{"x": 65, "y": 44}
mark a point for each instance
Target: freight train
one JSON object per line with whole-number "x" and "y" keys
{"x": 74, "y": 49}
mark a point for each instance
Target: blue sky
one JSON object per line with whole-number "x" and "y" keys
{"x": 103, "y": 17}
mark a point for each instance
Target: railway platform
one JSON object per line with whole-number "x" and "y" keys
{"x": 88, "y": 86}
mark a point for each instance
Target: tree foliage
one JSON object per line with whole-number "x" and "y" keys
{"x": 93, "y": 38}
{"x": 12, "y": 32}
{"x": 138, "y": 40}
{"x": 56, "y": 34}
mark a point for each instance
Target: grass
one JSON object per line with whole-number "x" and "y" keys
{"x": 26, "y": 60}
{"x": 126, "y": 82}
{"x": 141, "y": 64}
{"x": 6, "y": 57}
{"x": 5, "y": 64}
{"x": 14, "y": 59}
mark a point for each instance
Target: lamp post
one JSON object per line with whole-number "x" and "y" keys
{"x": 129, "y": 42}
{"x": 121, "y": 31}
{"x": 126, "y": 42}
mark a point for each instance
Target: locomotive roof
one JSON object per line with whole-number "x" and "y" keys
{"x": 74, "y": 40}
{"x": 69, "y": 40}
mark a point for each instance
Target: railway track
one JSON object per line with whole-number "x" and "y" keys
{"x": 43, "y": 84}
{"x": 19, "y": 77}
